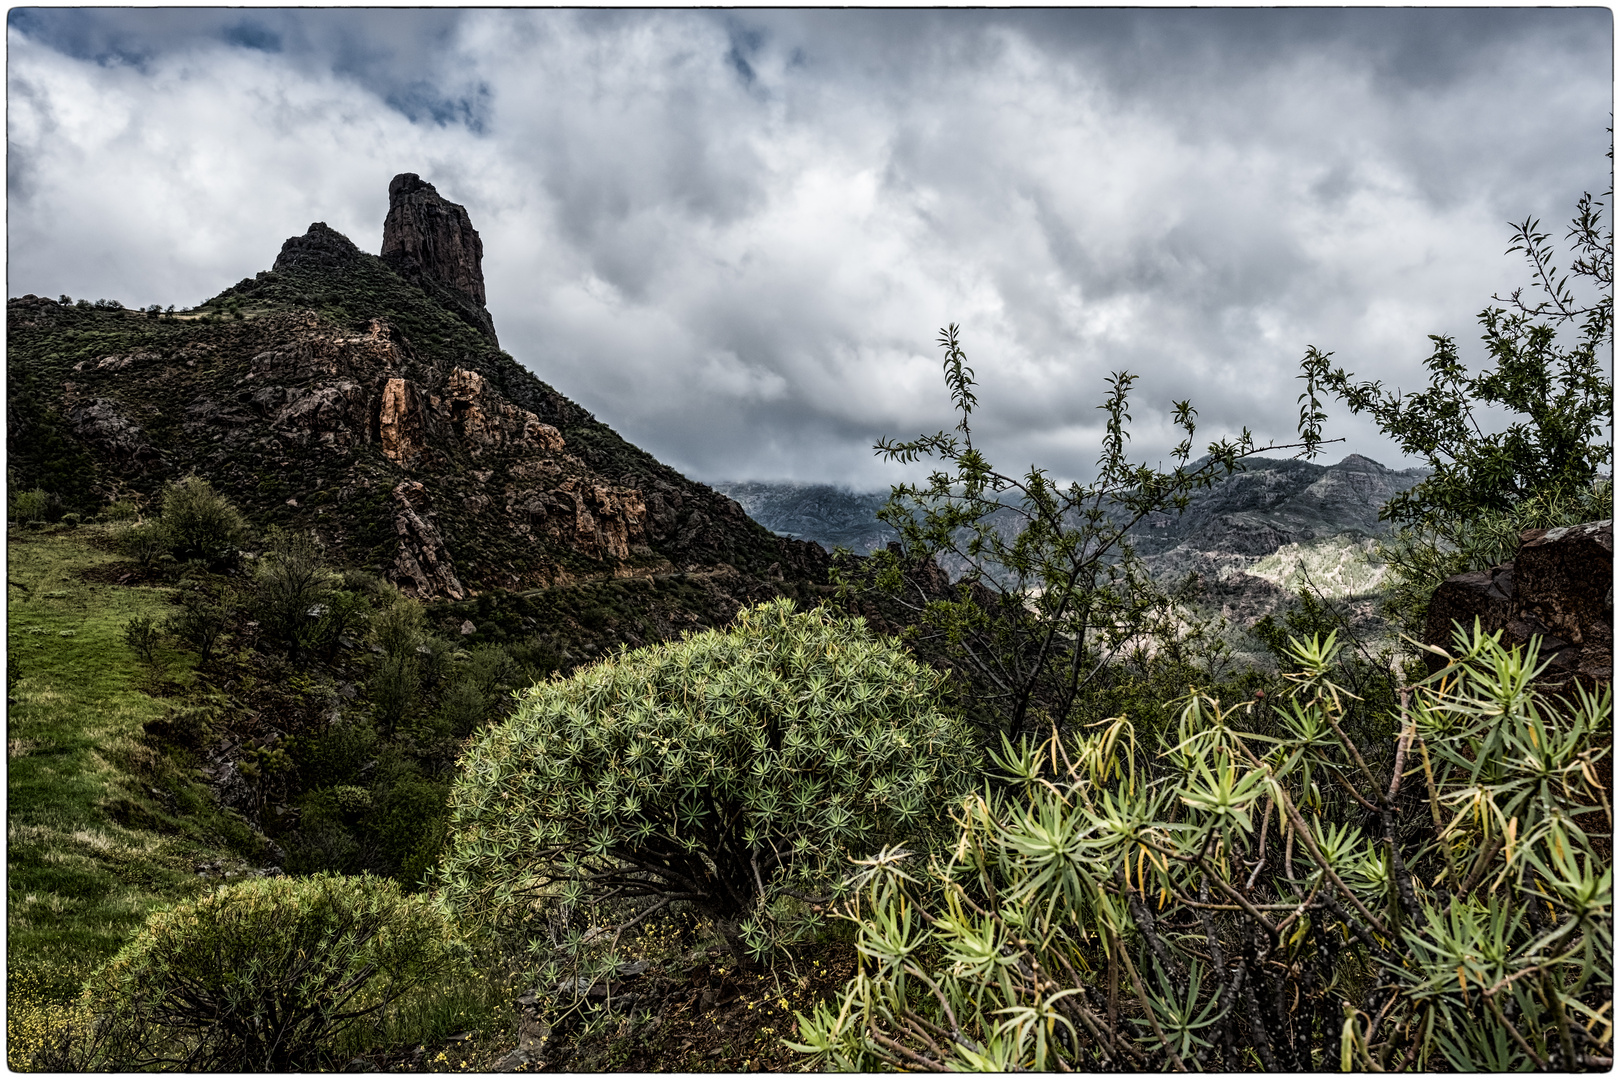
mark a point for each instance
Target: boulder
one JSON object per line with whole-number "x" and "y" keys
{"x": 1559, "y": 587}
{"x": 100, "y": 423}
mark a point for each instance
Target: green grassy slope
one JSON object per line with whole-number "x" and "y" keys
{"x": 101, "y": 827}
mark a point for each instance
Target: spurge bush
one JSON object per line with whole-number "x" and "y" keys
{"x": 737, "y": 770}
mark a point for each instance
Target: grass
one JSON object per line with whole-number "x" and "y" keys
{"x": 102, "y": 829}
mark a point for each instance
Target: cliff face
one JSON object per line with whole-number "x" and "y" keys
{"x": 431, "y": 241}
{"x": 338, "y": 394}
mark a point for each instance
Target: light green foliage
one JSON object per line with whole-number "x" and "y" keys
{"x": 147, "y": 542}
{"x": 1048, "y": 604}
{"x": 265, "y": 974}
{"x": 29, "y": 506}
{"x": 1224, "y": 905}
{"x": 737, "y": 770}
{"x": 200, "y": 523}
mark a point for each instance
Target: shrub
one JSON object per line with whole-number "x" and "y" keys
{"x": 201, "y": 523}
{"x": 1053, "y": 593}
{"x": 1523, "y": 444}
{"x": 147, "y": 543}
{"x": 395, "y": 689}
{"x": 30, "y": 506}
{"x": 72, "y": 521}
{"x": 264, "y": 974}
{"x": 290, "y": 581}
{"x": 1272, "y": 896}
{"x": 737, "y": 770}
{"x": 141, "y": 634}
{"x": 202, "y": 618}
{"x": 462, "y": 708}
{"x": 120, "y": 510}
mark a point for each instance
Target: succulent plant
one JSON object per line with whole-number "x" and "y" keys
{"x": 736, "y": 770}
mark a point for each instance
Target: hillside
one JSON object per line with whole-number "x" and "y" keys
{"x": 366, "y": 399}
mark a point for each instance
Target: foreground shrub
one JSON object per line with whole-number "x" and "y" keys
{"x": 736, "y": 770}
{"x": 1269, "y": 900}
{"x": 266, "y": 974}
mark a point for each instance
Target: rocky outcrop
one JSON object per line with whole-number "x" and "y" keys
{"x": 422, "y": 567}
{"x": 401, "y": 430}
{"x": 1559, "y": 587}
{"x": 99, "y": 423}
{"x": 321, "y": 248}
{"x": 483, "y": 420}
{"x": 337, "y": 398}
{"x": 431, "y": 241}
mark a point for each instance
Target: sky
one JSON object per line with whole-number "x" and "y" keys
{"x": 734, "y": 235}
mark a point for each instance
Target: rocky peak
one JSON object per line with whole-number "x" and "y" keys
{"x": 431, "y": 241}
{"x": 321, "y": 247}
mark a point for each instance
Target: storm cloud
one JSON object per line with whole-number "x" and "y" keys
{"x": 733, "y": 235}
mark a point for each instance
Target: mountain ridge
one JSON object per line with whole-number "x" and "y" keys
{"x": 367, "y": 400}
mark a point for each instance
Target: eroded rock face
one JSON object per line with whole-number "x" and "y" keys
{"x": 422, "y": 567}
{"x": 484, "y": 420}
{"x": 401, "y": 429}
{"x": 1559, "y": 587}
{"x": 99, "y": 423}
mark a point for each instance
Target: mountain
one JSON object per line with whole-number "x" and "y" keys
{"x": 366, "y": 398}
{"x": 1254, "y": 538}
{"x": 831, "y": 516}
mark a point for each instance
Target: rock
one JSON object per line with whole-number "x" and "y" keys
{"x": 484, "y": 420}
{"x": 467, "y": 627}
{"x": 422, "y": 567}
{"x": 1558, "y": 587}
{"x": 321, "y": 247}
{"x": 401, "y": 428}
{"x": 431, "y": 241}
{"x": 99, "y": 422}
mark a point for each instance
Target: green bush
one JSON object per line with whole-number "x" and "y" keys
{"x": 202, "y": 618}
{"x": 462, "y": 708}
{"x": 290, "y": 581}
{"x": 394, "y": 689}
{"x": 29, "y": 506}
{"x": 1273, "y": 890}
{"x": 148, "y": 543}
{"x": 265, "y": 975}
{"x": 1054, "y": 594}
{"x": 1524, "y": 444}
{"x": 737, "y": 770}
{"x": 400, "y": 627}
{"x": 201, "y": 523}
{"x": 142, "y": 634}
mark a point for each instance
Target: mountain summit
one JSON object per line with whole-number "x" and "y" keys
{"x": 431, "y": 241}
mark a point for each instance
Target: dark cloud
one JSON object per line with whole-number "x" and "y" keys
{"x": 732, "y": 234}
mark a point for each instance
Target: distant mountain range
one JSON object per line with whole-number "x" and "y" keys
{"x": 1273, "y": 502}
{"x": 1254, "y": 537}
